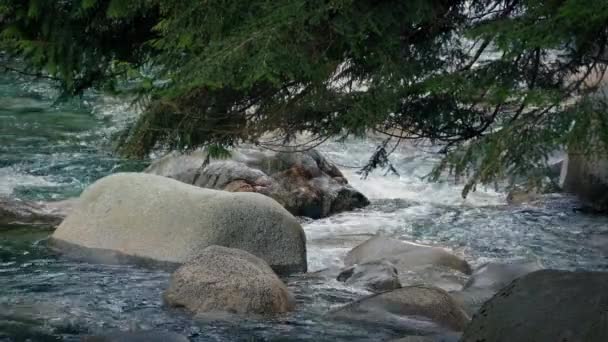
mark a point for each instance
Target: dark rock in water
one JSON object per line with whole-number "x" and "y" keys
{"x": 417, "y": 308}
{"x": 305, "y": 183}
{"x": 137, "y": 336}
{"x": 415, "y": 263}
{"x": 376, "y": 276}
{"x": 547, "y": 305}
{"x": 15, "y": 212}
{"x": 157, "y": 219}
{"x": 228, "y": 280}
{"x": 587, "y": 177}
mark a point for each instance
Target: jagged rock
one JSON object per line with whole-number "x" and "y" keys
{"x": 305, "y": 183}
{"x": 15, "y": 212}
{"x": 376, "y": 276}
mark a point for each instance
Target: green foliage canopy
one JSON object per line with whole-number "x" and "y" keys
{"x": 500, "y": 84}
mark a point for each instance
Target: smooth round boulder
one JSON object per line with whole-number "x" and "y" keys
{"x": 138, "y": 217}
{"x": 305, "y": 183}
{"x": 418, "y": 308}
{"x": 224, "y": 279}
{"x": 415, "y": 263}
{"x": 376, "y": 276}
{"x": 546, "y": 305}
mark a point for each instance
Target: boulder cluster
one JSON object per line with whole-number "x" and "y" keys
{"x": 228, "y": 231}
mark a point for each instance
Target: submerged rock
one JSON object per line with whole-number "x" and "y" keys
{"x": 418, "y": 308}
{"x": 228, "y": 280}
{"x": 547, "y": 305}
{"x": 305, "y": 183}
{"x": 15, "y": 212}
{"x": 142, "y": 217}
{"x": 495, "y": 276}
{"x": 414, "y": 263}
{"x": 376, "y": 276}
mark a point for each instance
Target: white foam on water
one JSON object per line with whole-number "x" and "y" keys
{"x": 331, "y": 238}
{"x": 11, "y": 178}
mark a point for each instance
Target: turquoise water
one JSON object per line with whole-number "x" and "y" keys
{"x": 53, "y": 151}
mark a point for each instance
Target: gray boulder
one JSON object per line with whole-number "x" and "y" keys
{"x": 305, "y": 183}
{"x": 376, "y": 276}
{"x": 15, "y": 212}
{"x": 142, "y": 217}
{"x": 228, "y": 280}
{"x": 547, "y": 305}
{"x": 415, "y": 263}
{"x": 489, "y": 279}
{"x": 495, "y": 276}
{"x": 418, "y": 308}
{"x": 587, "y": 178}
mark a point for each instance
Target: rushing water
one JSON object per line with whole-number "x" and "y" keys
{"x": 52, "y": 151}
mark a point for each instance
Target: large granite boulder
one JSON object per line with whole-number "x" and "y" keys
{"x": 411, "y": 308}
{"x": 415, "y": 263}
{"x": 142, "y": 217}
{"x": 223, "y": 279}
{"x": 15, "y": 212}
{"x": 547, "y": 305}
{"x": 305, "y": 183}
{"x": 587, "y": 178}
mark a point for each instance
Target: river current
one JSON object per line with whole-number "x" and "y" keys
{"x": 54, "y": 150}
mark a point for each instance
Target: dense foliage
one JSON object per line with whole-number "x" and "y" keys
{"x": 500, "y": 84}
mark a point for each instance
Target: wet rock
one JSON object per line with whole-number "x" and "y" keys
{"x": 518, "y": 197}
{"x": 547, "y": 305}
{"x": 228, "y": 280}
{"x": 305, "y": 183}
{"x": 495, "y": 276}
{"x": 415, "y": 263}
{"x": 417, "y": 308}
{"x": 15, "y": 213}
{"x": 137, "y": 217}
{"x": 586, "y": 176}
{"x": 489, "y": 279}
{"x": 137, "y": 336}
{"x": 376, "y": 276}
